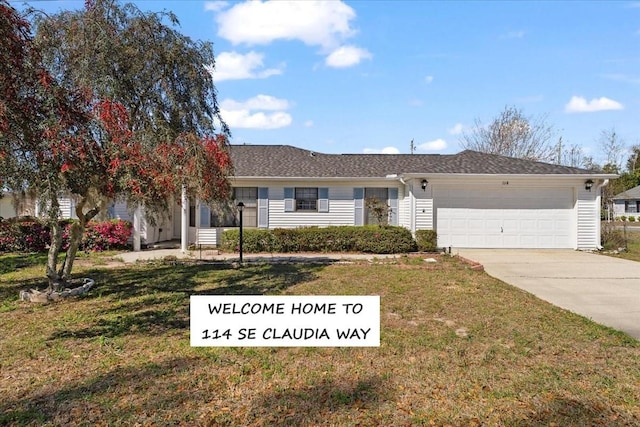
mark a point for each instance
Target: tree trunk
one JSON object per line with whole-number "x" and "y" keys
{"x": 52, "y": 258}
{"x": 54, "y": 248}
{"x": 75, "y": 238}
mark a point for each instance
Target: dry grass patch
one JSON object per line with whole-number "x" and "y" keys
{"x": 457, "y": 348}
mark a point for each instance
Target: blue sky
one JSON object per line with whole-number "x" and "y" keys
{"x": 370, "y": 76}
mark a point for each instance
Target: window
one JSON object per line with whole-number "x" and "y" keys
{"x": 306, "y": 199}
{"x": 248, "y": 196}
{"x": 226, "y": 214}
{"x": 632, "y": 207}
{"x": 192, "y": 213}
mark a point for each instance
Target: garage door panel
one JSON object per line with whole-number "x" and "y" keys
{"x": 501, "y": 218}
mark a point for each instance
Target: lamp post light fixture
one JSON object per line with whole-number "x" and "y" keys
{"x": 423, "y": 184}
{"x": 588, "y": 184}
{"x": 240, "y": 206}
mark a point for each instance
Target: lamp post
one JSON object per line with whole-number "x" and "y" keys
{"x": 240, "y": 206}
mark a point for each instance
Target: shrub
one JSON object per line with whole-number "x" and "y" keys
{"x": 32, "y": 235}
{"x": 623, "y": 218}
{"x": 24, "y": 235}
{"x": 384, "y": 240}
{"x": 427, "y": 240}
{"x": 632, "y": 218}
{"x": 611, "y": 237}
{"x": 105, "y": 235}
{"x": 372, "y": 239}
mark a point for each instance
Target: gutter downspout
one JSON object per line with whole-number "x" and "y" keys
{"x": 412, "y": 206}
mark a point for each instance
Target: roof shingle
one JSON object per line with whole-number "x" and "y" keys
{"x": 290, "y": 162}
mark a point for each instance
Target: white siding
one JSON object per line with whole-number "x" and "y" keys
{"x": 6, "y": 207}
{"x": 65, "y": 207}
{"x": 341, "y": 210}
{"x": 424, "y": 214}
{"x": 209, "y": 236}
{"x": 119, "y": 211}
{"x": 588, "y": 214}
{"x": 404, "y": 207}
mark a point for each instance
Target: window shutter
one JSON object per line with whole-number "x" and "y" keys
{"x": 289, "y": 201}
{"x": 323, "y": 200}
{"x": 263, "y": 207}
{"x": 393, "y": 205}
{"x": 358, "y": 206}
{"x": 205, "y": 216}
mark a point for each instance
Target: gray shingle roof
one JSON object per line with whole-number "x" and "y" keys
{"x": 292, "y": 162}
{"x": 631, "y": 194}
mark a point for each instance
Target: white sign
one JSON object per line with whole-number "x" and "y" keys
{"x": 285, "y": 321}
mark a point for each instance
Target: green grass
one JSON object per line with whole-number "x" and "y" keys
{"x": 633, "y": 246}
{"x": 120, "y": 355}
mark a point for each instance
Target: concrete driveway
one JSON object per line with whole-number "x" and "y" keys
{"x": 602, "y": 288}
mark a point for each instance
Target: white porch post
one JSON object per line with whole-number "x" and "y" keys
{"x": 184, "y": 234}
{"x": 136, "y": 229}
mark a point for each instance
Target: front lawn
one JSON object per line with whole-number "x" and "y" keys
{"x": 633, "y": 246}
{"x": 457, "y": 348}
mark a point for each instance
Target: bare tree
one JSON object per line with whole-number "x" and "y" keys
{"x": 513, "y": 134}
{"x": 574, "y": 156}
{"x": 612, "y": 148}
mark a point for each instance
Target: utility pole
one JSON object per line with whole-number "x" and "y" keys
{"x": 559, "y": 151}
{"x": 412, "y": 146}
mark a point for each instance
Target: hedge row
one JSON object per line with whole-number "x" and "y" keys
{"x": 31, "y": 235}
{"x": 369, "y": 239}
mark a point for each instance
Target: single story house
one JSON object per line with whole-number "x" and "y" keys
{"x": 7, "y": 208}
{"x": 627, "y": 203}
{"x": 11, "y": 206}
{"x": 471, "y": 199}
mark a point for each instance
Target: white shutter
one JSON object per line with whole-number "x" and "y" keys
{"x": 289, "y": 201}
{"x": 323, "y": 200}
{"x": 358, "y": 206}
{"x": 263, "y": 207}
{"x": 393, "y": 206}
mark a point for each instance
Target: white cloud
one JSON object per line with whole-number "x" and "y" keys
{"x": 236, "y": 66}
{"x": 245, "y": 119}
{"x": 308, "y": 124}
{"x": 251, "y": 114}
{"x": 578, "y": 104}
{"x": 316, "y": 23}
{"x": 457, "y": 129}
{"x": 258, "y": 102}
{"x": 435, "y": 145}
{"x": 385, "y": 150}
{"x": 347, "y": 56}
{"x": 215, "y": 6}
{"x": 428, "y": 79}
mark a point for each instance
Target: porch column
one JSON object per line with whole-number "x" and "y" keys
{"x": 136, "y": 229}
{"x": 184, "y": 234}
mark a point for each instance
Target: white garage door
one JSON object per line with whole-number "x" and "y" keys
{"x": 504, "y": 218}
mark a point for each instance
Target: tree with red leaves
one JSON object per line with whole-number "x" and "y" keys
{"x": 129, "y": 111}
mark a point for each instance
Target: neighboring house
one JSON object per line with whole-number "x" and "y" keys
{"x": 16, "y": 206}
{"x": 7, "y": 208}
{"x": 471, "y": 199}
{"x": 627, "y": 203}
